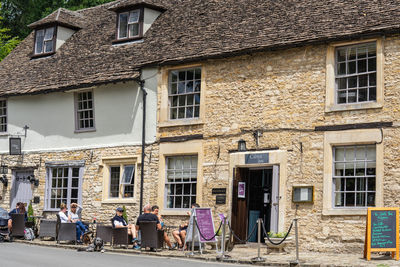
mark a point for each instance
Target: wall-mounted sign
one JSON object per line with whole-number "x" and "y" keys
{"x": 303, "y": 194}
{"x": 256, "y": 158}
{"x": 216, "y": 191}
{"x": 220, "y": 199}
{"x": 15, "y": 146}
{"x": 241, "y": 190}
{"x": 36, "y": 200}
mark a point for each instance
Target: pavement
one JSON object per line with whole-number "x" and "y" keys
{"x": 244, "y": 254}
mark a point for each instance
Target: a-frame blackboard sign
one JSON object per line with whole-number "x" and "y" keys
{"x": 382, "y": 233}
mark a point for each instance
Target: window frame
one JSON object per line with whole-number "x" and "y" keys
{"x": 330, "y": 83}
{"x": 355, "y": 177}
{"x": 121, "y": 162}
{"x": 5, "y": 125}
{"x": 49, "y": 187}
{"x": 77, "y": 110}
{"x": 140, "y": 23}
{"x": 166, "y": 183}
{"x": 122, "y": 186}
{"x": 351, "y": 138}
{"x": 43, "y": 54}
{"x": 185, "y": 94}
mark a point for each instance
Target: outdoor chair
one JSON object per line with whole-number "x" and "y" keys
{"x": 151, "y": 237}
{"x": 120, "y": 236}
{"x": 105, "y": 232}
{"x": 48, "y": 228}
{"x": 65, "y": 231}
{"x": 18, "y": 225}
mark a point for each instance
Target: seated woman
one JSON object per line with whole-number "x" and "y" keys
{"x": 73, "y": 216}
{"x": 155, "y": 211}
{"x": 180, "y": 234}
{"x": 119, "y": 222}
{"x": 19, "y": 208}
{"x": 62, "y": 214}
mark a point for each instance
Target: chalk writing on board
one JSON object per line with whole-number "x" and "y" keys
{"x": 383, "y": 229}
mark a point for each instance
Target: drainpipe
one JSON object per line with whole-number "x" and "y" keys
{"x": 141, "y": 84}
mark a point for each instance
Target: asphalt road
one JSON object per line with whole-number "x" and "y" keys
{"x": 23, "y": 255}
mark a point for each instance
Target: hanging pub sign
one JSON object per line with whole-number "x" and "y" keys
{"x": 382, "y": 233}
{"x": 15, "y": 146}
{"x": 241, "y": 190}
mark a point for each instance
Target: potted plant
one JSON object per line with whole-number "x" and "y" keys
{"x": 274, "y": 241}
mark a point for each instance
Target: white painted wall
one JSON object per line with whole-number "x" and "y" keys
{"x": 62, "y": 35}
{"x": 150, "y": 16}
{"x": 51, "y": 119}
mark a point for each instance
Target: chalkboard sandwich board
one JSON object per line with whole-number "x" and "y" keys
{"x": 382, "y": 233}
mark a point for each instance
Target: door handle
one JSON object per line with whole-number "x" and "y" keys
{"x": 274, "y": 204}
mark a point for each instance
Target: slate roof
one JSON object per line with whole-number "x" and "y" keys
{"x": 190, "y": 30}
{"x": 61, "y": 16}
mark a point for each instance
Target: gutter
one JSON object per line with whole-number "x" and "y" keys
{"x": 141, "y": 84}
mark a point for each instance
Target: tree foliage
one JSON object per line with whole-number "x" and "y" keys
{"x": 7, "y": 43}
{"x": 18, "y": 14}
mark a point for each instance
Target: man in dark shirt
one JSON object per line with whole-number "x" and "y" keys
{"x": 147, "y": 216}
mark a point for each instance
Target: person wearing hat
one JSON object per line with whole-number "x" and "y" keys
{"x": 118, "y": 221}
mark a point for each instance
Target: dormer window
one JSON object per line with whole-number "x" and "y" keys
{"x": 130, "y": 24}
{"x": 45, "y": 41}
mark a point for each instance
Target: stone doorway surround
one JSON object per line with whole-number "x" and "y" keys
{"x": 277, "y": 158}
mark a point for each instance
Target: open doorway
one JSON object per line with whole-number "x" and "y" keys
{"x": 260, "y": 199}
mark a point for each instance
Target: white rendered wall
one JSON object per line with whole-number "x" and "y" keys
{"x": 51, "y": 119}
{"x": 62, "y": 35}
{"x": 150, "y": 16}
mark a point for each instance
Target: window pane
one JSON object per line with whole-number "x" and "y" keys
{"x": 134, "y": 16}
{"x": 123, "y": 25}
{"x": 133, "y": 30}
{"x": 39, "y": 41}
{"x": 48, "y": 47}
{"x": 49, "y": 34}
{"x": 128, "y": 174}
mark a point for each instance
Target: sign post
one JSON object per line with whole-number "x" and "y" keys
{"x": 382, "y": 233}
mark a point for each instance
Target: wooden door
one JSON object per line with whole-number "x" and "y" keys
{"x": 21, "y": 190}
{"x": 239, "y": 205}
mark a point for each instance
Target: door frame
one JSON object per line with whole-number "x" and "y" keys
{"x": 277, "y": 158}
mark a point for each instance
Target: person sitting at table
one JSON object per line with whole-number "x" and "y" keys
{"x": 63, "y": 213}
{"x": 73, "y": 216}
{"x": 19, "y": 208}
{"x": 119, "y": 222}
{"x": 180, "y": 234}
{"x": 155, "y": 210}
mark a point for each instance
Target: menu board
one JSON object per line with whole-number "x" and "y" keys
{"x": 205, "y": 223}
{"x": 382, "y": 232}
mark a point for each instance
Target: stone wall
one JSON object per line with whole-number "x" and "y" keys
{"x": 92, "y": 187}
{"x": 282, "y": 94}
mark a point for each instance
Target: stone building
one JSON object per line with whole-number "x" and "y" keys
{"x": 267, "y": 109}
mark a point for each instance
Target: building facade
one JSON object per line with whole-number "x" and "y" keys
{"x": 256, "y": 116}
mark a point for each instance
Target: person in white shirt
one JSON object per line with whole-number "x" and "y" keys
{"x": 73, "y": 216}
{"x": 63, "y": 216}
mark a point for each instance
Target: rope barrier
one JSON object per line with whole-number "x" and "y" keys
{"x": 235, "y": 236}
{"x": 280, "y": 242}
{"x": 208, "y": 239}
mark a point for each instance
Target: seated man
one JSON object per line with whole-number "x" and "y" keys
{"x": 180, "y": 234}
{"x": 147, "y": 216}
{"x": 155, "y": 210}
{"x": 73, "y": 216}
{"x": 119, "y": 222}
